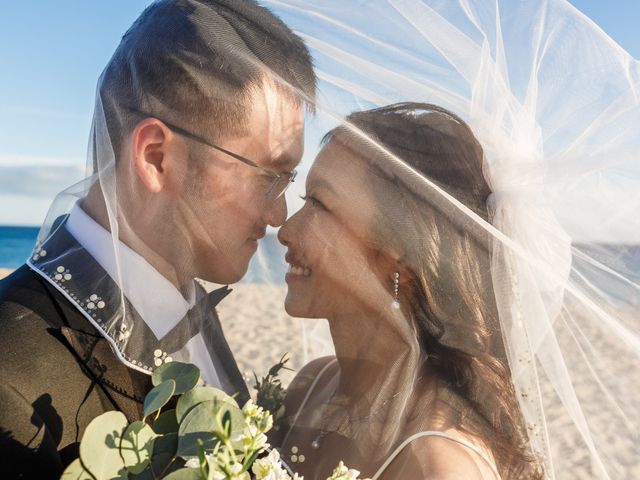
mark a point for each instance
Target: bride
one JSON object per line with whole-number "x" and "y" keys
{"x": 420, "y": 386}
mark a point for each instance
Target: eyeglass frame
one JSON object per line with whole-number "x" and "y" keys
{"x": 275, "y": 175}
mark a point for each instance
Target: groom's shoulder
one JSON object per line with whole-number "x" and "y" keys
{"x": 17, "y": 284}
{"x": 26, "y": 304}
{"x": 30, "y": 316}
{"x": 22, "y": 287}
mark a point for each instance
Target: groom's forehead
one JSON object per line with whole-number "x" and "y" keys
{"x": 275, "y": 126}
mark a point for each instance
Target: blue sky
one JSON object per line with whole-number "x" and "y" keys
{"x": 51, "y": 56}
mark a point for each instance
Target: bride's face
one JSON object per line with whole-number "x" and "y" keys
{"x": 334, "y": 269}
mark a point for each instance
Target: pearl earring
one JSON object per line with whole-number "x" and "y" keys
{"x": 396, "y": 282}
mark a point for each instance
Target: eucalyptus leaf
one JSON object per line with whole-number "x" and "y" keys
{"x": 186, "y": 375}
{"x": 75, "y": 471}
{"x": 165, "y": 444}
{"x": 136, "y": 446}
{"x": 204, "y": 422}
{"x": 159, "y": 396}
{"x": 185, "y": 474}
{"x": 163, "y": 459}
{"x": 166, "y": 422}
{"x": 161, "y": 465}
{"x": 198, "y": 395}
{"x": 99, "y": 447}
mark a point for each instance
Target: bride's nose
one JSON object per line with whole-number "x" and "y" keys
{"x": 286, "y": 232}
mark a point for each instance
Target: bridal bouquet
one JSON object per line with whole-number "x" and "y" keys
{"x": 201, "y": 434}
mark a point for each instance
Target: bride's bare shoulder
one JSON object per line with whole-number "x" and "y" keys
{"x": 435, "y": 457}
{"x": 301, "y": 383}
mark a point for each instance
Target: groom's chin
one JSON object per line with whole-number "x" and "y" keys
{"x": 225, "y": 276}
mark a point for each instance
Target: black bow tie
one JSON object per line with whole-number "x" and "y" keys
{"x": 205, "y": 305}
{"x": 194, "y": 321}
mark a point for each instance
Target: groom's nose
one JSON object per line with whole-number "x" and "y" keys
{"x": 276, "y": 212}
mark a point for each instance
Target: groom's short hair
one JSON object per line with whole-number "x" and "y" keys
{"x": 194, "y": 63}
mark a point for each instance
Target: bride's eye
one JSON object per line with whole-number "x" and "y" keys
{"x": 313, "y": 201}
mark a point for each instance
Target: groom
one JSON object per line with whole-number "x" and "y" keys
{"x": 197, "y": 131}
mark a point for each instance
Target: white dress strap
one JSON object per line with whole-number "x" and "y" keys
{"x": 307, "y": 395}
{"x": 433, "y": 433}
{"x": 396, "y": 452}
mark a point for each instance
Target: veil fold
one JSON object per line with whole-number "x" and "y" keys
{"x": 535, "y": 290}
{"x": 554, "y": 102}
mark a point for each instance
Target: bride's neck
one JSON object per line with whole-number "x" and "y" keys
{"x": 370, "y": 350}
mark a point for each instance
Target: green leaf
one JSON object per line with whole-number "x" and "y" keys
{"x": 166, "y": 422}
{"x": 201, "y": 453}
{"x": 161, "y": 465}
{"x": 249, "y": 461}
{"x": 99, "y": 447}
{"x": 136, "y": 446}
{"x": 204, "y": 422}
{"x": 159, "y": 396}
{"x": 166, "y": 444}
{"x": 186, "y": 375}
{"x": 75, "y": 471}
{"x": 198, "y": 395}
{"x": 185, "y": 474}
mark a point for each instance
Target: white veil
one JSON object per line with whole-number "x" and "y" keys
{"x": 555, "y": 105}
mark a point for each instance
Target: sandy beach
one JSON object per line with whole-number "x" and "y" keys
{"x": 259, "y": 332}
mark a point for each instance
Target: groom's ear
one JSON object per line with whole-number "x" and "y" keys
{"x": 152, "y": 145}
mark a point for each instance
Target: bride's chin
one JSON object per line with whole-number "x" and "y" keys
{"x": 296, "y": 306}
{"x": 291, "y": 307}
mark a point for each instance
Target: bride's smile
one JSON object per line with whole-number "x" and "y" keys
{"x": 332, "y": 260}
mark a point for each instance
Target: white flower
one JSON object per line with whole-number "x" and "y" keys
{"x": 235, "y": 471}
{"x": 343, "y": 473}
{"x": 270, "y": 468}
{"x": 250, "y": 409}
{"x": 217, "y": 475}
{"x": 257, "y": 417}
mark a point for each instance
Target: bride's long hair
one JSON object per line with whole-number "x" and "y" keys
{"x": 451, "y": 302}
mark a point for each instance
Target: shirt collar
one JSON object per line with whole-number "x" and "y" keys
{"x": 157, "y": 300}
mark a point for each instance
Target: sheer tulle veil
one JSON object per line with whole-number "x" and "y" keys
{"x": 554, "y": 103}
{"x": 519, "y": 280}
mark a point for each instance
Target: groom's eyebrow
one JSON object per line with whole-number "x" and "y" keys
{"x": 284, "y": 162}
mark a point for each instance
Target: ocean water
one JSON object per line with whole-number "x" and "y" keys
{"x": 16, "y": 244}
{"x": 267, "y": 265}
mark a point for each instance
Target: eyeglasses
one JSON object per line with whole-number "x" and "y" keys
{"x": 280, "y": 181}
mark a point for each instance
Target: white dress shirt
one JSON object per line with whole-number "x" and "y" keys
{"x": 156, "y": 299}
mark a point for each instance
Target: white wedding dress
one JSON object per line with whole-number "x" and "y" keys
{"x": 428, "y": 433}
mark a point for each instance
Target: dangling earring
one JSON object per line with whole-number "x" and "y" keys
{"x": 396, "y": 282}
